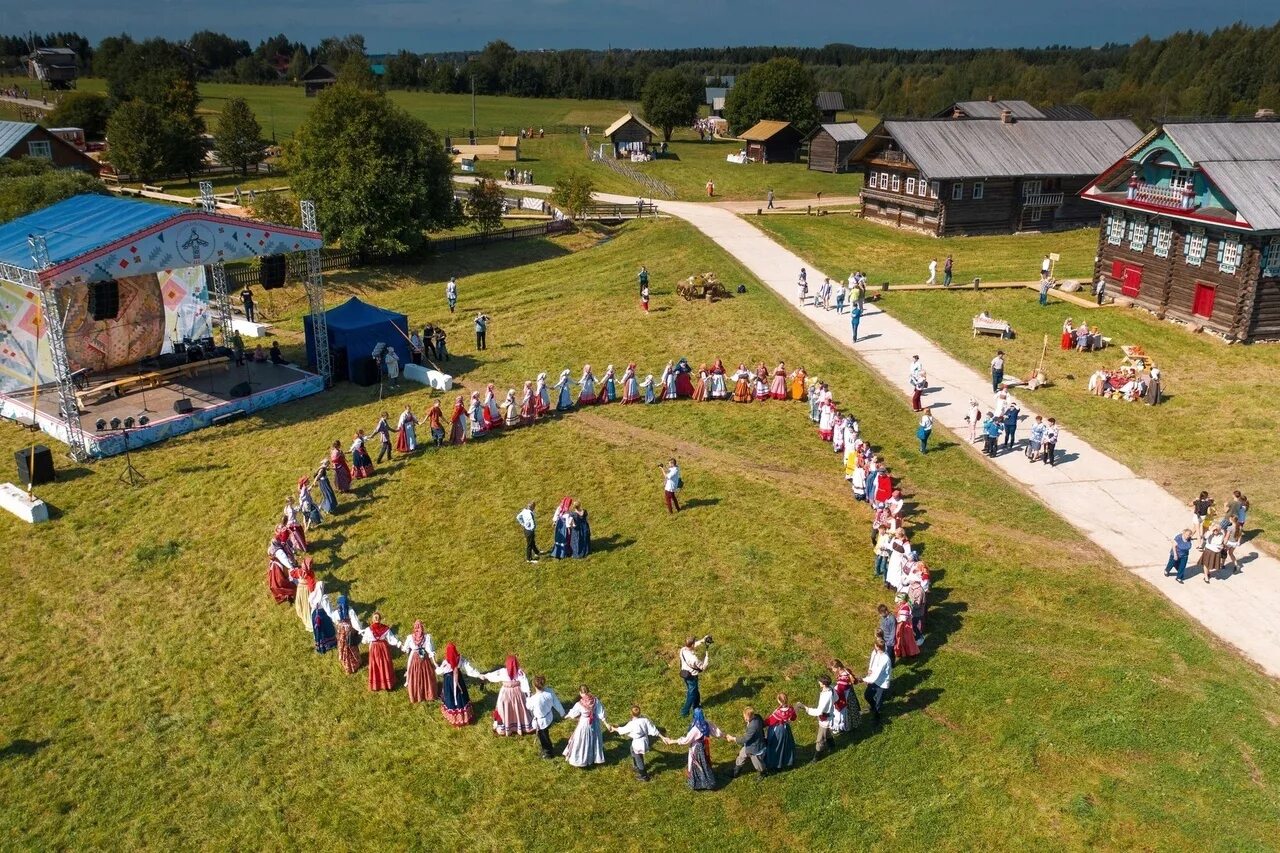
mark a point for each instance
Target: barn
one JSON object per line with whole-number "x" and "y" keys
{"x": 829, "y": 105}
{"x": 317, "y": 78}
{"x": 630, "y": 134}
{"x": 20, "y": 139}
{"x": 831, "y": 144}
{"x": 54, "y": 66}
{"x": 773, "y": 142}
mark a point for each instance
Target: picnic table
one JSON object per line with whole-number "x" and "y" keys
{"x": 991, "y": 326}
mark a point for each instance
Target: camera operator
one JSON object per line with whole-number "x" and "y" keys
{"x": 690, "y": 669}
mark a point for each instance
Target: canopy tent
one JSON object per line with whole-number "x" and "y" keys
{"x": 357, "y": 327}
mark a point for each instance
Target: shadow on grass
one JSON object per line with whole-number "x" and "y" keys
{"x": 22, "y": 748}
{"x": 498, "y": 255}
{"x": 694, "y": 503}
{"x": 612, "y": 542}
{"x": 741, "y": 689}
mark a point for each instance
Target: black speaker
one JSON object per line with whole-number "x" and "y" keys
{"x": 35, "y": 465}
{"x": 240, "y": 390}
{"x": 271, "y": 271}
{"x": 104, "y": 299}
{"x": 182, "y": 406}
{"x": 364, "y": 371}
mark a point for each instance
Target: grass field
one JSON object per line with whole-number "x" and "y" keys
{"x": 153, "y": 695}
{"x": 838, "y": 244}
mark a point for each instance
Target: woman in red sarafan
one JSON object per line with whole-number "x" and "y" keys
{"x": 420, "y": 673}
{"x": 341, "y": 470}
{"x": 778, "y": 388}
{"x": 282, "y": 589}
{"x": 458, "y": 423}
{"x": 379, "y": 638}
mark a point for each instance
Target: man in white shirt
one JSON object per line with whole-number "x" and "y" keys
{"x": 1050, "y": 442}
{"x": 917, "y": 370}
{"x": 639, "y": 729}
{"x": 823, "y": 711}
{"x": 671, "y": 484}
{"x": 690, "y": 669}
{"x": 933, "y": 272}
{"x": 542, "y": 703}
{"x": 451, "y": 293}
{"x": 879, "y": 674}
{"x": 527, "y": 523}
{"x": 997, "y": 371}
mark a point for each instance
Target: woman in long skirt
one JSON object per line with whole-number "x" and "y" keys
{"x": 698, "y": 772}
{"x": 848, "y": 714}
{"x": 587, "y": 383}
{"x": 780, "y": 743}
{"x": 476, "y": 413}
{"x": 492, "y": 412}
{"x": 455, "y": 702}
{"x": 510, "y": 409}
{"x": 528, "y": 405}
{"x": 560, "y": 530}
{"x": 586, "y": 744}
{"x": 1068, "y": 333}
{"x": 341, "y": 470}
{"x": 361, "y": 461}
{"x": 349, "y": 630}
{"x": 797, "y": 385}
{"x": 324, "y": 634}
{"x": 304, "y": 577}
{"x": 1211, "y": 556}
{"x": 742, "y": 384}
{"x": 717, "y": 390}
{"x": 608, "y": 387}
{"x": 904, "y": 638}
{"x": 541, "y": 395}
{"x": 420, "y": 672}
{"x": 281, "y": 588}
{"x": 581, "y": 531}
{"x": 630, "y": 385}
{"x": 307, "y": 505}
{"x": 510, "y": 716}
{"x": 564, "y": 400}
{"x": 407, "y": 432}
{"x": 701, "y": 390}
{"x": 684, "y": 378}
{"x": 778, "y": 388}
{"x": 328, "y": 500}
{"x": 647, "y": 386}
{"x": 667, "y": 383}
{"x": 379, "y": 638}
{"x": 458, "y": 423}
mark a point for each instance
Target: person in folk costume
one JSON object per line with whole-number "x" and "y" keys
{"x": 383, "y": 432}
{"x": 379, "y": 638}
{"x": 847, "y": 713}
{"x": 278, "y": 583}
{"x": 837, "y": 434}
{"x": 587, "y": 383}
{"x": 542, "y": 395}
{"x": 580, "y": 542}
{"x": 510, "y": 409}
{"x": 407, "y": 432}
{"x": 458, "y": 422}
{"x": 760, "y": 387}
{"x": 455, "y": 702}
{"x": 341, "y": 470}
{"x": 543, "y": 704}
{"x": 324, "y": 634}
{"x": 762, "y": 377}
{"x": 304, "y": 579}
{"x": 528, "y": 405}
{"x": 904, "y": 641}
{"x": 510, "y": 714}
{"x": 292, "y": 527}
{"x": 780, "y": 742}
{"x": 815, "y": 400}
{"x": 718, "y": 390}
{"x": 608, "y": 387}
{"x": 349, "y": 631}
{"x": 420, "y": 672}
{"x": 560, "y": 547}
{"x": 700, "y": 390}
{"x": 307, "y": 505}
{"x": 328, "y": 500}
{"x": 361, "y": 462}
{"x": 630, "y": 387}
{"x": 435, "y": 422}
{"x": 917, "y": 583}
{"x": 824, "y": 711}
{"x": 850, "y": 443}
{"x": 667, "y": 383}
{"x": 684, "y": 378}
{"x": 564, "y": 399}
{"x": 797, "y": 390}
{"x": 476, "y": 412}
{"x": 826, "y": 419}
{"x": 742, "y": 384}
{"x": 698, "y": 771}
{"x": 492, "y": 412}
{"x": 1068, "y": 333}
{"x": 778, "y": 388}
{"x": 884, "y": 486}
{"x": 649, "y": 395}
{"x": 586, "y": 744}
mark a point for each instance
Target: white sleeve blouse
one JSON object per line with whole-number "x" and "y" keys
{"x": 366, "y": 637}
{"x": 695, "y": 734}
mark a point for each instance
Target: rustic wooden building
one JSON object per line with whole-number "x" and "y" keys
{"x": 1191, "y": 228}
{"x": 990, "y": 108}
{"x": 829, "y": 105}
{"x": 630, "y": 133}
{"x": 317, "y": 78}
{"x": 985, "y": 176}
{"x": 20, "y": 139}
{"x": 831, "y": 144}
{"x": 773, "y": 142}
{"x": 56, "y": 67}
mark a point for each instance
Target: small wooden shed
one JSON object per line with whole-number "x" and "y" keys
{"x": 829, "y": 104}
{"x": 773, "y": 142}
{"x": 509, "y": 148}
{"x": 630, "y": 133}
{"x": 317, "y": 78}
{"x": 831, "y": 144}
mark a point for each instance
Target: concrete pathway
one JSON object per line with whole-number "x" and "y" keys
{"x": 32, "y": 103}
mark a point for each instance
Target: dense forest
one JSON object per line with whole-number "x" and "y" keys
{"x": 1232, "y": 71}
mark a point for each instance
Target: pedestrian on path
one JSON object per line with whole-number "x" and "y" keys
{"x": 1100, "y": 289}
{"x": 997, "y": 371}
{"x": 528, "y": 524}
{"x": 1010, "y": 425}
{"x": 840, "y": 296}
{"x": 946, "y": 272}
{"x": 771, "y": 198}
{"x": 1050, "y": 443}
{"x": 451, "y": 293}
{"x": 855, "y": 317}
{"x": 1211, "y": 556}
{"x": 933, "y": 272}
{"x": 802, "y": 285}
{"x": 1178, "y": 554}
{"x": 1200, "y": 509}
{"x": 672, "y": 483}
{"x": 925, "y": 430}
{"x": 990, "y": 433}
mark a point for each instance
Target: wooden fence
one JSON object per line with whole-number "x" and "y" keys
{"x": 653, "y": 185}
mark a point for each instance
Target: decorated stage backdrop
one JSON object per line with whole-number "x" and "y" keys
{"x": 156, "y": 309}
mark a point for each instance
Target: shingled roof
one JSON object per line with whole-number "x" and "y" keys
{"x": 1242, "y": 159}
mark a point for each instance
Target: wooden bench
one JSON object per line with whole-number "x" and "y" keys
{"x": 150, "y": 379}
{"x": 988, "y": 326}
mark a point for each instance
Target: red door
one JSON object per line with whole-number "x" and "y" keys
{"x": 1132, "y": 281}
{"x": 1202, "y": 304}
{"x": 1117, "y": 270}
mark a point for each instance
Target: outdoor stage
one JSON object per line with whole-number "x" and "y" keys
{"x": 209, "y": 393}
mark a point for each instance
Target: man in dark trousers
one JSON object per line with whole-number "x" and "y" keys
{"x": 997, "y": 371}
{"x": 752, "y": 743}
{"x": 946, "y": 272}
{"x": 1011, "y": 426}
{"x": 482, "y": 327}
{"x": 690, "y": 669}
{"x": 527, "y": 523}
{"x": 671, "y": 483}
{"x": 246, "y": 298}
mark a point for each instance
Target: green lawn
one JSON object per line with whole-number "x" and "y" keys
{"x": 153, "y": 695}
{"x": 838, "y": 244}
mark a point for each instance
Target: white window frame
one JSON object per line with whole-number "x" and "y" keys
{"x": 1139, "y": 230}
{"x": 1230, "y": 253}
{"x": 871, "y": 178}
{"x": 1030, "y": 188}
{"x": 1271, "y": 258}
{"x": 979, "y": 189}
{"x": 1035, "y": 214}
{"x": 1161, "y": 239}
{"x": 957, "y": 191}
{"x": 1195, "y": 245}
{"x": 1179, "y": 178}
{"x": 1115, "y": 228}
{"x": 911, "y": 186}
{"x": 41, "y": 149}
{"x": 897, "y": 182}
{"x": 884, "y": 180}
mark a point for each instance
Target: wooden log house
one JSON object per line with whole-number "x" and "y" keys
{"x": 985, "y": 176}
{"x": 831, "y": 144}
{"x": 773, "y": 142}
{"x": 1191, "y": 225}
{"x": 630, "y": 133}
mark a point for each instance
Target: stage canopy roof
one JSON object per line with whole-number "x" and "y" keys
{"x": 95, "y": 238}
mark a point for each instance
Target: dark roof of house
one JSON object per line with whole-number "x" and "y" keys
{"x": 1069, "y": 112}
{"x": 830, "y": 101}
{"x": 320, "y": 73}
{"x": 1242, "y": 159}
{"x": 765, "y": 130}
{"x": 54, "y": 53}
{"x": 945, "y": 149}
{"x": 846, "y": 131}
{"x": 992, "y": 109}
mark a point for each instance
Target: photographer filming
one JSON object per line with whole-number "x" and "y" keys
{"x": 690, "y": 669}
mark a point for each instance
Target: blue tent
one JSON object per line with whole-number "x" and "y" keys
{"x": 358, "y": 327}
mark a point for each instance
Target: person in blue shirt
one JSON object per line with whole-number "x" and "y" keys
{"x": 1037, "y": 438}
{"x": 855, "y": 317}
{"x": 991, "y": 432}
{"x": 1010, "y": 425}
{"x": 1178, "y": 554}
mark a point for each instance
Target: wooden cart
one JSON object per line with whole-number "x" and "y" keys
{"x": 702, "y": 286}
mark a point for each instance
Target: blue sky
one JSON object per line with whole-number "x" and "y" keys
{"x": 433, "y": 25}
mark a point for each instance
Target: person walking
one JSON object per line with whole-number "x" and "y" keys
{"x": 823, "y": 711}
{"x": 643, "y": 278}
{"x": 528, "y": 524}
{"x": 644, "y": 297}
{"x": 879, "y": 676}
{"x": 997, "y": 371}
{"x": 1011, "y": 415}
{"x": 639, "y": 729}
{"x": 542, "y": 705}
{"x": 482, "y": 328}
{"x": 1100, "y": 289}
{"x": 451, "y": 293}
{"x": 1178, "y": 554}
{"x": 1050, "y": 442}
{"x": 770, "y": 198}
{"x": 925, "y": 430}
{"x": 1200, "y": 508}
{"x": 690, "y": 669}
{"x": 946, "y": 272}
{"x": 752, "y": 744}
{"x": 672, "y": 483}
{"x": 1211, "y": 556}
{"x": 855, "y": 317}
{"x": 840, "y": 296}
{"x": 383, "y": 431}
{"x": 933, "y": 272}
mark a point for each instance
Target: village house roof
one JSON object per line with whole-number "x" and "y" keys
{"x": 845, "y": 131}
{"x": 830, "y": 101}
{"x": 765, "y": 130}
{"x": 1242, "y": 159}
{"x": 992, "y": 109}
{"x": 613, "y": 128}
